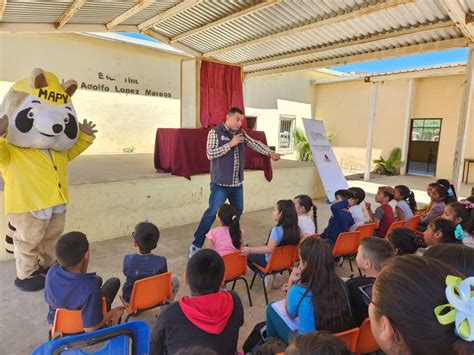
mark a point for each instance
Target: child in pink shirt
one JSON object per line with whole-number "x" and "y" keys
{"x": 228, "y": 237}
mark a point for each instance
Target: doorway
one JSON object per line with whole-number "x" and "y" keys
{"x": 423, "y": 146}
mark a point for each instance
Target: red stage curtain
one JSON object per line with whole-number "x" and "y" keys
{"x": 221, "y": 89}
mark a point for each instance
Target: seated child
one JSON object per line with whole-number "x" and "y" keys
{"x": 406, "y": 203}
{"x": 356, "y": 210}
{"x": 458, "y": 256}
{"x": 308, "y": 225}
{"x": 462, "y": 213}
{"x": 438, "y": 203}
{"x": 228, "y": 237}
{"x": 341, "y": 219}
{"x": 405, "y": 241}
{"x": 316, "y": 295}
{"x": 144, "y": 263}
{"x": 383, "y": 216}
{"x": 210, "y": 317}
{"x": 372, "y": 255}
{"x": 452, "y": 197}
{"x": 411, "y": 294}
{"x": 317, "y": 343}
{"x": 425, "y": 209}
{"x": 442, "y": 231}
{"x": 70, "y": 286}
{"x": 286, "y": 232}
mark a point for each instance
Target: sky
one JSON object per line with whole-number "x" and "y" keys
{"x": 384, "y": 65}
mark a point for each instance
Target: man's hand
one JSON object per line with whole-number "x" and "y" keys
{"x": 274, "y": 156}
{"x": 3, "y": 125}
{"x": 88, "y": 128}
{"x": 236, "y": 140}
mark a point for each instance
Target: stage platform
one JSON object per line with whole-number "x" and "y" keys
{"x": 111, "y": 193}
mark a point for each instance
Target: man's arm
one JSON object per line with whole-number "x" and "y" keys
{"x": 259, "y": 147}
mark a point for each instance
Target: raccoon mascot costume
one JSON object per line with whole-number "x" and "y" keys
{"x": 40, "y": 134}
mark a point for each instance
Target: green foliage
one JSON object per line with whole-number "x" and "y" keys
{"x": 129, "y": 150}
{"x": 302, "y": 145}
{"x": 392, "y": 165}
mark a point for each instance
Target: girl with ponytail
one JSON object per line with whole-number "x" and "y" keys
{"x": 228, "y": 237}
{"x": 406, "y": 204}
{"x": 308, "y": 224}
{"x": 462, "y": 213}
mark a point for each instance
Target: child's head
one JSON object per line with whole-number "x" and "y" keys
{"x": 402, "y": 314}
{"x": 72, "y": 249}
{"x": 145, "y": 237}
{"x": 438, "y": 193}
{"x": 343, "y": 195}
{"x": 430, "y": 188}
{"x": 317, "y": 343}
{"x": 319, "y": 276}
{"x": 402, "y": 192}
{"x": 451, "y": 192}
{"x": 285, "y": 215}
{"x": 461, "y": 257}
{"x": 462, "y": 213}
{"x": 373, "y": 253}
{"x": 304, "y": 204}
{"x": 205, "y": 272}
{"x": 385, "y": 194}
{"x": 442, "y": 231}
{"x": 358, "y": 194}
{"x": 405, "y": 241}
{"x": 228, "y": 217}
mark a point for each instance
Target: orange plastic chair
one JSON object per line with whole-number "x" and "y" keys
{"x": 148, "y": 293}
{"x": 282, "y": 259}
{"x": 394, "y": 225}
{"x": 235, "y": 269}
{"x": 346, "y": 246}
{"x": 349, "y": 337}
{"x": 413, "y": 222}
{"x": 366, "y": 230}
{"x": 366, "y": 342}
{"x": 68, "y": 322}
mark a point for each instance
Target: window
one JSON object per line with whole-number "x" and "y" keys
{"x": 426, "y": 130}
{"x": 285, "y": 137}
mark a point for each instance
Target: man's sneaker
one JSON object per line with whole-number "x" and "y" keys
{"x": 193, "y": 250}
{"x": 30, "y": 284}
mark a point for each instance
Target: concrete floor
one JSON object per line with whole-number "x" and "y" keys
{"x": 23, "y": 315}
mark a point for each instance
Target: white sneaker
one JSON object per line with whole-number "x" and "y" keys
{"x": 277, "y": 283}
{"x": 268, "y": 280}
{"x": 193, "y": 250}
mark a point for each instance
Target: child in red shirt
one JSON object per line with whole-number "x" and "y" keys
{"x": 383, "y": 216}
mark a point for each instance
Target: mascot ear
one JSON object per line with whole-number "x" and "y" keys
{"x": 38, "y": 79}
{"x": 70, "y": 87}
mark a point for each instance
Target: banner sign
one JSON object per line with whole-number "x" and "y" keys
{"x": 331, "y": 174}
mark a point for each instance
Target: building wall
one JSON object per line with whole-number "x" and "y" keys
{"x": 126, "y": 115}
{"x": 344, "y": 107}
{"x": 268, "y": 97}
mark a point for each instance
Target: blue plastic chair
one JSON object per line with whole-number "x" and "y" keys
{"x": 128, "y": 338}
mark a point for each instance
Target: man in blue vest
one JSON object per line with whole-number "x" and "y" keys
{"x": 226, "y": 151}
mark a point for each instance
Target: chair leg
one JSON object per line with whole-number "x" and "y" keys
{"x": 350, "y": 264}
{"x": 265, "y": 290}
{"x": 360, "y": 272}
{"x": 128, "y": 317}
{"x": 248, "y": 290}
{"x": 233, "y": 285}
{"x": 253, "y": 279}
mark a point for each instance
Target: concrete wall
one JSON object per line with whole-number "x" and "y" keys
{"x": 344, "y": 107}
{"x": 123, "y": 119}
{"x": 111, "y": 209}
{"x": 269, "y": 97}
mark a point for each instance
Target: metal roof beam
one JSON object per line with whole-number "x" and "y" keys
{"x": 338, "y": 18}
{"x": 457, "y": 14}
{"x": 75, "y": 6}
{"x": 164, "y": 39}
{"x": 173, "y": 11}
{"x": 358, "y": 58}
{"x": 370, "y": 39}
{"x": 129, "y": 13}
{"x": 251, "y": 9}
{"x": 49, "y": 27}
{"x": 3, "y": 4}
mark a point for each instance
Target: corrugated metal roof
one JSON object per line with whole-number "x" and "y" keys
{"x": 300, "y": 31}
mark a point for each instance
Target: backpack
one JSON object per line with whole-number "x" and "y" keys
{"x": 255, "y": 339}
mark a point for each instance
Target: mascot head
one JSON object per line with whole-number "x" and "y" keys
{"x": 40, "y": 112}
